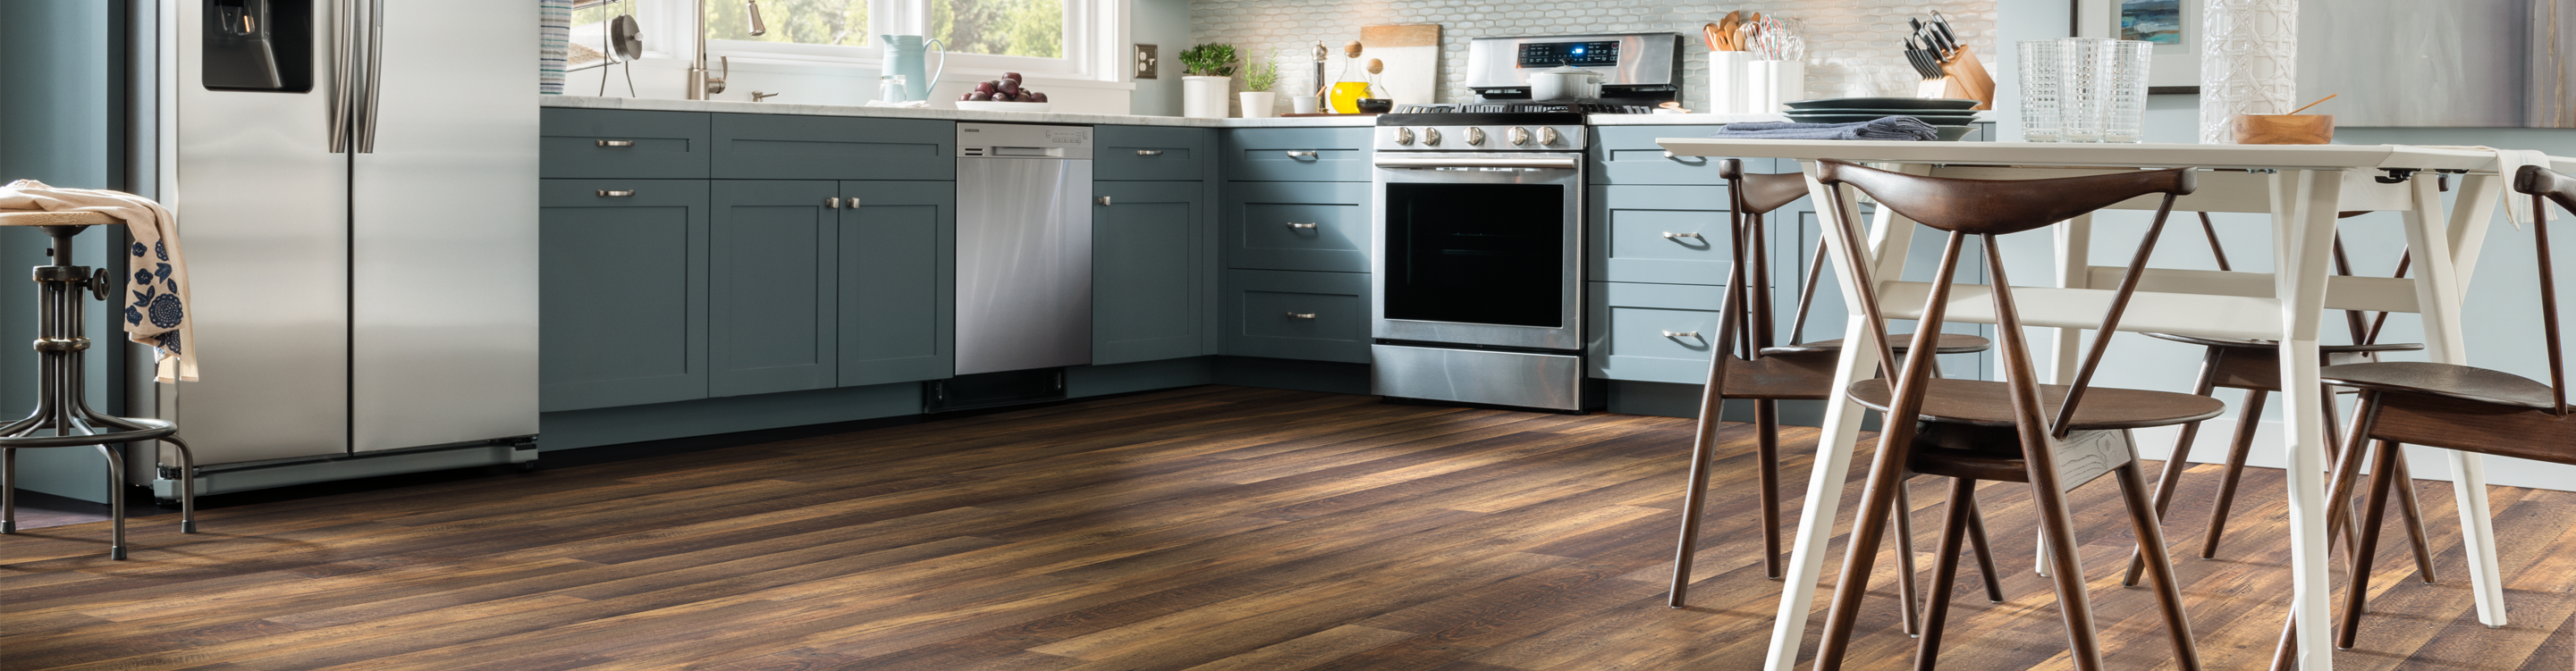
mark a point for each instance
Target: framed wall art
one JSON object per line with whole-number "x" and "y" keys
{"x": 2172, "y": 25}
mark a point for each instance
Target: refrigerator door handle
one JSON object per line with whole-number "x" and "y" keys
{"x": 344, "y": 75}
{"x": 375, "y": 76}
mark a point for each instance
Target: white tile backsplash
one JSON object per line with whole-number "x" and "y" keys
{"x": 1854, "y": 47}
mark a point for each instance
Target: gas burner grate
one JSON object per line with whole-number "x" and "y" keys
{"x": 1511, "y": 108}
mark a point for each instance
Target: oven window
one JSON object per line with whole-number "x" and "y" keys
{"x": 1476, "y": 253}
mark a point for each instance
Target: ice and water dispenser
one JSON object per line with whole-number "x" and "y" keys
{"x": 258, "y": 45}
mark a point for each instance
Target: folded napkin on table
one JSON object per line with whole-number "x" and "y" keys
{"x": 156, "y": 295}
{"x": 1883, "y": 128}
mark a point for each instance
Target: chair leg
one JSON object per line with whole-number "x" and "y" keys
{"x": 2150, "y": 530}
{"x": 2247, "y": 420}
{"x": 2334, "y": 429}
{"x": 2066, "y": 572}
{"x": 8, "y": 491}
{"x": 2358, "y": 593}
{"x": 1945, "y": 570}
{"x": 1985, "y": 553}
{"x": 2408, "y": 508}
{"x": 1906, "y": 578}
{"x": 1860, "y": 557}
{"x": 1766, "y": 420}
{"x": 2171, "y": 474}
{"x": 187, "y": 485}
{"x": 115, "y": 500}
{"x": 1693, "y": 499}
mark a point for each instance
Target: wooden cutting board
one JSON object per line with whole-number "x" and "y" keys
{"x": 1412, "y": 57}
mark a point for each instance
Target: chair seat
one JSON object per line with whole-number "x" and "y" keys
{"x": 2249, "y": 343}
{"x": 1782, "y": 377}
{"x": 2445, "y": 380}
{"x": 44, "y": 218}
{"x": 1988, "y": 403}
{"x": 1950, "y": 343}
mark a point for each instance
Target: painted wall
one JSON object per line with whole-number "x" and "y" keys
{"x": 2502, "y": 318}
{"x": 1853, "y": 45}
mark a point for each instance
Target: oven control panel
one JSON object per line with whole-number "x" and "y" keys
{"x": 1480, "y": 137}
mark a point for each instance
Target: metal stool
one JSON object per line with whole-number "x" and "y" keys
{"x": 59, "y": 399}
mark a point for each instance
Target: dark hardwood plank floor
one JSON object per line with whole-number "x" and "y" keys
{"x": 1204, "y": 528}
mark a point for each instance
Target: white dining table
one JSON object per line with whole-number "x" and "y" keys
{"x": 2302, "y": 187}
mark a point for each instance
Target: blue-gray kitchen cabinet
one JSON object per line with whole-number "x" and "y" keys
{"x": 780, "y": 146}
{"x": 772, "y": 262}
{"x": 1629, "y": 155}
{"x": 1321, "y": 226}
{"x": 1153, "y": 154}
{"x": 1148, "y": 268}
{"x": 622, "y": 143}
{"x": 623, "y": 291}
{"x": 1337, "y": 154}
{"x": 897, "y": 277}
{"x": 1661, "y": 234}
{"x": 1289, "y": 314}
{"x": 1652, "y": 332}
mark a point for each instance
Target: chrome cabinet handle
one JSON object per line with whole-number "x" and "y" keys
{"x": 616, "y": 143}
{"x": 1301, "y": 154}
{"x": 609, "y": 193}
{"x": 1669, "y": 235}
{"x": 1301, "y": 315}
{"x": 1301, "y": 226}
{"x": 1104, "y": 200}
{"x": 832, "y": 203}
{"x": 1694, "y": 335}
{"x": 1149, "y": 152}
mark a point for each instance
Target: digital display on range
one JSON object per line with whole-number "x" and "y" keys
{"x": 1578, "y": 54}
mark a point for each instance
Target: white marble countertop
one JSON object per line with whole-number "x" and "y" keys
{"x": 738, "y": 107}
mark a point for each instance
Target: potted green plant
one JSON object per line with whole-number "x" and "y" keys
{"x": 1259, "y": 102}
{"x": 1208, "y": 69}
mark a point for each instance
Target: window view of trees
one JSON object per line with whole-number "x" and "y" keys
{"x": 1000, "y": 27}
{"x": 837, "y": 22}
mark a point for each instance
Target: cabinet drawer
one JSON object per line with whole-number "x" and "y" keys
{"x": 624, "y": 287}
{"x": 1297, "y": 154}
{"x": 1150, "y": 153}
{"x": 1629, "y": 321}
{"x": 1629, "y": 155}
{"x": 777, "y": 146}
{"x": 621, "y": 143}
{"x": 1644, "y": 234}
{"x": 1298, "y": 226}
{"x": 1297, "y": 315}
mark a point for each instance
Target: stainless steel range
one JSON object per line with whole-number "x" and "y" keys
{"x": 1479, "y": 227}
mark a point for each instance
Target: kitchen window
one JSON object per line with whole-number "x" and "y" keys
{"x": 1042, "y": 38}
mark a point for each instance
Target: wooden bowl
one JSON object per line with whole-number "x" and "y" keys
{"x": 2285, "y": 128}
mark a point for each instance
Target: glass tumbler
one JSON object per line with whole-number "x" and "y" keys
{"x": 2040, "y": 104}
{"x": 2083, "y": 65}
{"x": 2124, "y": 94}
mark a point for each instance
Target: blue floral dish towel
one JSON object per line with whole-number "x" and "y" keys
{"x": 156, "y": 295}
{"x": 554, "y": 38}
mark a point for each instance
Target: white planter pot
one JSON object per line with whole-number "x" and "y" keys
{"x": 1204, "y": 97}
{"x": 1259, "y": 104}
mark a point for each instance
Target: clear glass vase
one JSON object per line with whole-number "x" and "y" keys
{"x": 2041, "y": 111}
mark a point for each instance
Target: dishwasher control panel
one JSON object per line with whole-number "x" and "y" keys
{"x": 1012, "y": 140}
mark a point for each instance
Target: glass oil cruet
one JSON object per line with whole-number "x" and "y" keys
{"x": 1345, "y": 93}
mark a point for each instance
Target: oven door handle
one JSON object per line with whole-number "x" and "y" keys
{"x": 1408, "y": 161}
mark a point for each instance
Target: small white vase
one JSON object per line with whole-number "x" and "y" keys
{"x": 1204, "y": 97}
{"x": 1259, "y": 104}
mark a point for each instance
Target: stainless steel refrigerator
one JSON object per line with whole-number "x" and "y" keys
{"x": 356, "y": 186}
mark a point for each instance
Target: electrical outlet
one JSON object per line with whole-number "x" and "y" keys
{"x": 1146, "y": 62}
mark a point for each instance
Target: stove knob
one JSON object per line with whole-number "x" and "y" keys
{"x": 1431, "y": 137}
{"x": 1475, "y": 136}
{"x": 1520, "y": 136}
{"x": 1403, "y": 136}
{"x": 1547, "y": 136}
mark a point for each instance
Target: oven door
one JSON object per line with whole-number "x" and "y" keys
{"x": 1479, "y": 249}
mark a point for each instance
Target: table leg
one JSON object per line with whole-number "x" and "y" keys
{"x": 2438, "y": 288}
{"x": 1858, "y": 361}
{"x": 2303, "y": 235}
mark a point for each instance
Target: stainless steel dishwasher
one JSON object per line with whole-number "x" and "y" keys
{"x": 1023, "y": 247}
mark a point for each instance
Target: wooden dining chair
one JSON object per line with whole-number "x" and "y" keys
{"x": 2254, "y": 366}
{"x": 1754, "y": 369}
{"x": 2052, "y": 437}
{"x": 2454, "y": 406}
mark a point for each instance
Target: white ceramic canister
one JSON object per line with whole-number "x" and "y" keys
{"x": 1768, "y": 84}
{"x": 1726, "y": 73}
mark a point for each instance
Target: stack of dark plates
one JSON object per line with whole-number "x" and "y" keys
{"x": 1951, "y": 117}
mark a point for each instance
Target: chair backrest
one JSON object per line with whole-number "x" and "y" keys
{"x": 2546, "y": 185}
{"x": 1758, "y": 193}
{"x": 1989, "y": 208}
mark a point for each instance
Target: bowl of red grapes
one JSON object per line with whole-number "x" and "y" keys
{"x": 1003, "y": 95}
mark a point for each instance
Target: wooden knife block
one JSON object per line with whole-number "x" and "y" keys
{"x": 1964, "y": 78}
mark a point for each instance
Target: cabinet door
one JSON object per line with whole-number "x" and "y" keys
{"x": 1653, "y": 332}
{"x": 1661, "y": 234}
{"x": 784, "y": 146}
{"x": 1298, "y": 154}
{"x": 624, "y": 291}
{"x": 1298, "y": 226}
{"x": 1630, "y": 155}
{"x": 621, "y": 143}
{"x": 1288, "y": 314}
{"x": 1146, "y": 270}
{"x": 1153, "y": 154}
{"x": 898, "y": 282}
{"x": 773, "y": 286}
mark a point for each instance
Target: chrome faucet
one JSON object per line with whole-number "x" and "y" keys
{"x": 701, "y": 85}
